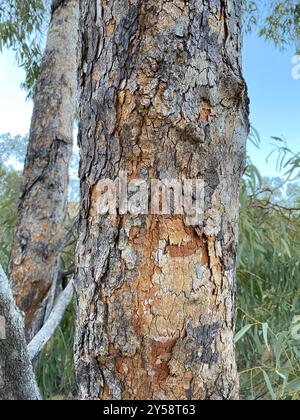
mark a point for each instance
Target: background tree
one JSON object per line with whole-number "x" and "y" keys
{"x": 55, "y": 366}
{"x": 43, "y": 205}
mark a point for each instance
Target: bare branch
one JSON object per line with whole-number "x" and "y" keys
{"x": 45, "y": 334}
{"x": 56, "y": 280}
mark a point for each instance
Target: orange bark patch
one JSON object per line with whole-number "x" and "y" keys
{"x": 182, "y": 251}
{"x": 134, "y": 233}
{"x": 148, "y": 371}
{"x": 163, "y": 286}
{"x": 216, "y": 137}
{"x": 160, "y": 356}
{"x": 165, "y": 293}
{"x": 125, "y": 106}
{"x": 110, "y": 28}
{"x": 205, "y": 112}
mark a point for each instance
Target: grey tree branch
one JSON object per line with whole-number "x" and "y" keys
{"x": 44, "y": 335}
{"x": 53, "y": 291}
{"x": 17, "y": 379}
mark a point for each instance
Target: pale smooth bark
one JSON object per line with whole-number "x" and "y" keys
{"x": 43, "y": 205}
{"x": 162, "y": 97}
{"x": 17, "y": 379}
{"x": 45, "y": 334}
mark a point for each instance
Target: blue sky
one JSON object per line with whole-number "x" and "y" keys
{"x": 274, "y": 95}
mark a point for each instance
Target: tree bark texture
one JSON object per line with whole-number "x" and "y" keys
{"x": 43, "y": 205}
{"x": 162, "y": 96}
{"x": 17, "y": 379}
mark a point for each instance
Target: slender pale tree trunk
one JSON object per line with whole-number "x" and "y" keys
{"x": 162, "y": 97}
{"x": 17, "y": 380}
{"x": 43, "y": 205}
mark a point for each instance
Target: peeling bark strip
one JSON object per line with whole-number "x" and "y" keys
{"x": 162, "y": 97}
{"x": 43, "y": 205}
{"x": 17, "y": 380}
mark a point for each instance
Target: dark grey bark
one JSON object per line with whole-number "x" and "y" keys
{"x": 162, "y": 96}
{"x": 43, "y": 206}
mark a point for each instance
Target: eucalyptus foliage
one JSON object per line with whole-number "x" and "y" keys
{"x": 12, "y": 150}
{"x": 22, "y": 27}
{"x": 268, "y": 339}
{"x": 10, "y": 182}
{"x": 276, "y": 20}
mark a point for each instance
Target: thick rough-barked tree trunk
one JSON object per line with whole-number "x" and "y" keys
{"x": 43, "y": 205}
{"x": 162, "y": 97}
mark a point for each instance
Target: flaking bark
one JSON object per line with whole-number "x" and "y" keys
{"x": 162, "y": 97}
{"x": 43, "y": 204}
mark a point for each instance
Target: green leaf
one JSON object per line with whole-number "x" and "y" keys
{"x": 269, "y": 386}
{"x": 284, "y": 243}
{"x": 242, "y": 332}
{"x": 279, "y": 347}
